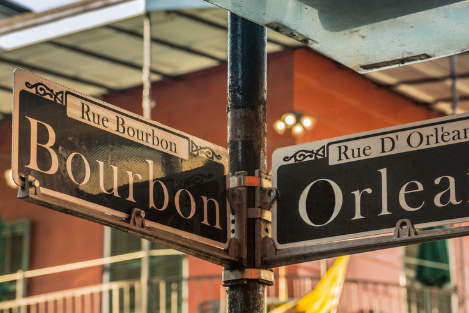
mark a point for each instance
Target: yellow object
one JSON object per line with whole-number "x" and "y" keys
{"x": 325, "y": 296}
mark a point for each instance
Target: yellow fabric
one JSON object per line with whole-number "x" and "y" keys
{"x": 325, "y": 295}
{"x": 284, "y": 308}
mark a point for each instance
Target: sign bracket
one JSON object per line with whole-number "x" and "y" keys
{"x": 404, "y": 234}
{"x": 265, "y": 196}
{"x": 230, "y": 277}
{"x": 137, "y": 218}
{"x": 260, "y": 213}
{"x": 31, "y": 192}
{"x": 241, "y": 179}
{"x": 233, "y": 248}
{"x": 404, "y": 229}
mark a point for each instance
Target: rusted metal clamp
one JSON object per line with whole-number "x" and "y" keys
{"x": 260, "y": 213}
{"x": 240, "y": 179}
{"x": 31, "y": 186}
{"x": 404, "y": 229}
{"x": 265, "y": 276}
{"x": 237, "y": 190}
{"x": 265, "y": 198}
{"x": 137, "y": 218}
{"x": 265, "y": 194}
{"x": 237, "y": 193}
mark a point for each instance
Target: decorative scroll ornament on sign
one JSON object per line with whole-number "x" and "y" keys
{"x": 304, "y": 155}
{"x": 204, "y": 151}
{"x": 44, "y": 91}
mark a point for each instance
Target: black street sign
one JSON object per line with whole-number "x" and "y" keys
{"x": 103, "y": 160}
{"x": 363, "y": 184}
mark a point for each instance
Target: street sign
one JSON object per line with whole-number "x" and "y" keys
{"x": 364, "y": 184}
{"x": 365, "y": 35}
{"x": 90, "y": 157}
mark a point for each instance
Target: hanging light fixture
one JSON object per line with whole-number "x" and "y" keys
{"x": 296, "y": 121}
{"x": 297, "y": 130}
{"x": 289, "y": 118}
{"x": 280, "y": 126}
{"x": 308, "y": 121}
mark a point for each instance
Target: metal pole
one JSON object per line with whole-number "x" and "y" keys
{"x": 323, "y": 267}
{"x": 454, "y": 90}
{"x": 147, "y": 103}
{"x": 145, "y": 274}
{"x": 462, "y": 275}
{"x": 247, "y": 66}
{"x": 147, "y": 106}
{"x": 454, "y": 94}
{"x": 20, "y": 290}
{"x": 106, "y": 269}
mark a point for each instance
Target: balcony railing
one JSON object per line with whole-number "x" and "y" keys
{"x": 205, "y": 294}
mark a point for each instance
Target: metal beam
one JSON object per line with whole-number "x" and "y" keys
{"x": 282, "y": 257}
{"x": 5, "y": 88}
{"x": 107, "y": 58}
{"x": 167, "y": 43}
{"x": 425, "y": 80}
{"x": 216, "y": 25}
{"x": 197, "y": 249}
{"x": 11, "y": 9}
{"x": 450, "y": 99}
{"x": 76, "y": 9}
{"x": 51, "y": 72}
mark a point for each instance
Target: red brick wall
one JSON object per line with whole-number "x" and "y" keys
{"x": 196, "y": 103}
{"x": 345, "y": 102}
{"x": 56, "y": 238}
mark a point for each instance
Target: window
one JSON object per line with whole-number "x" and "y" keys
{"x": 427, "y": 266}
{"x": 165, "y": 267}
{"x": 14, "y": 249}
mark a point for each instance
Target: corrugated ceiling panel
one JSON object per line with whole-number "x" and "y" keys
{"x": 394, "y": 75}
{"x": 186, "y": 32}
{"x": 462, "y": 63}
{"x": 179, "y": 62}
{"x": 215, "y": 46}
{"x": 414, "y": 93}
{"x": 6, "y": 102}
{"x": 119, "y": 46}
{"x": 193, "y": 34}
{"x": 6, "y": 74}
{"x": 87, "y": 36}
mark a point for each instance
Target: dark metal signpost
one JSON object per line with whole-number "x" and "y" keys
{"x": 372, "y": 180}
{"x": 385, "y": 181}
{"x": 78, "y": 155}
{"x": 84, "y": 157}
